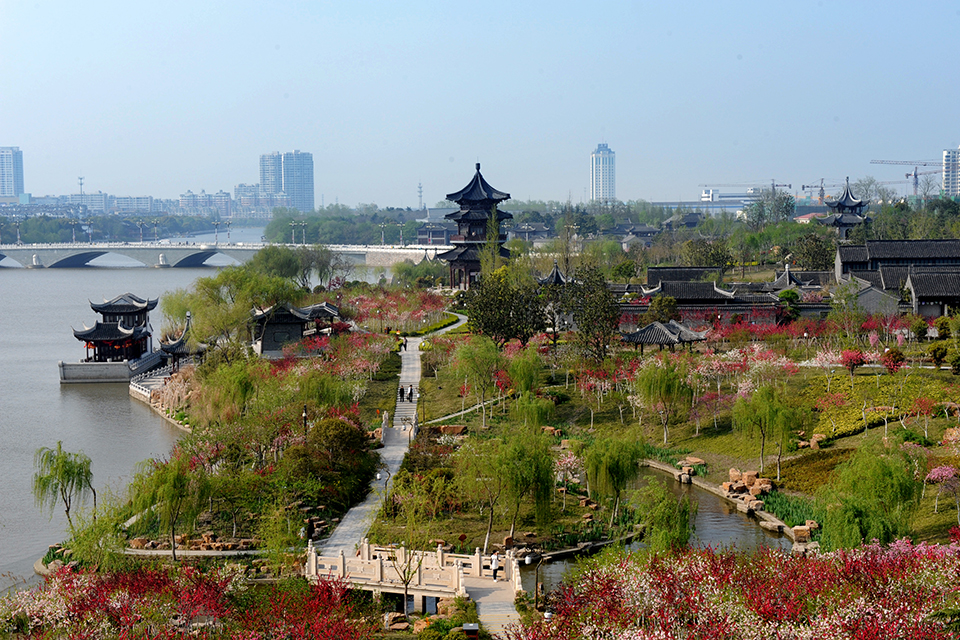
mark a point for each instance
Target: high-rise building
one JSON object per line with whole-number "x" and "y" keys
{"x": 291, "y": 174}
{"x": 603, "y": 178}
{"x": 951, "y": 173}
{"x": 271, "y": 173}
{"x": 11, "y": 172}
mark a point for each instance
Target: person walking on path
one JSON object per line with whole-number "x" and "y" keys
{"x": 400, "y": 394}
{"x": 410, "y": 394}
{"x": 495, "y": 565}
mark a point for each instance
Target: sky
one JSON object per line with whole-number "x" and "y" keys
{"x": 155, "y": 98}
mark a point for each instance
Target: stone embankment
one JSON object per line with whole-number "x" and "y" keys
{"x": 745, "y": 489}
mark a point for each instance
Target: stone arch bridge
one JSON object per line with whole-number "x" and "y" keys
{"x": 158, "y": 254}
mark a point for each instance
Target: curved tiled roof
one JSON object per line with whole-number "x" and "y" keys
{"x": 846, "y": 201}
{"x": 126, "y": 303}
{"x": 109, "y": 332}
{"x": 477, "y": 190}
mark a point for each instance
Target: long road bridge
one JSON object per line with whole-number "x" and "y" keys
{"x": 169, "y": 254}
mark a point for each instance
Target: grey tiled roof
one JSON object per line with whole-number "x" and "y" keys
{"x": 680, "y": 274}
{"x": 912, "y": 249}
{"x": 939, "y": 285}
{"x": 853, "y": 253}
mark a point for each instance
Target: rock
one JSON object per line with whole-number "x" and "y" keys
{"x": 750, "y": 478}
{"x": 726, "y": 487}
{"x": 802, "y": 444}
{"x": 588, "y": 517}
{"x": 757, "y": 489}
{"x": 399, "y": 626}
{"x": 446, "y": 606}
{"x": 377, "y": 434}
{"x": 508, "y": 542}
{"x": 421, "y": 624}
{"x": 529, "y": 534}
{"x": 550, "y": 431}
{"x": 818, "y": 437}
{"x": 742, "y": 507}
{"x": 593, "y": 506}
{"x": 755, "y": 505}
{"x": 684, "y": 478}
{"x": 801, "y": 534}
{"x": 814, "y": 445}
{"x": 812, "y": 525}
{"x": 771, "y": 526}
{"x": 739, "y": 487}
{"x": 139, "y": 543}
{"x": 735, "y": 475}
{"x": 452, "y": 429}
{"x": 689, "y": 471}
{"x": 561, "y": 489}
{"x": 565, "y": 444}
{"x": 692, "y": 461}
{"x": 392, "y": 618}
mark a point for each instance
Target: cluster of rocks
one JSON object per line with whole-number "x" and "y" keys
{"x": 813, "y": 442}
{"x": 746, "y": 488}
{"x": 688, "y": 469}
{"x": 398, "y": 622}
{"x": 206, "y": 542}
{"x": 551, "y": 431}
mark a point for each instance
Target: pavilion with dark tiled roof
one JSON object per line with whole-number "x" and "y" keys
{"x": 477, "y": 200}
{"x": 663, "y": 334}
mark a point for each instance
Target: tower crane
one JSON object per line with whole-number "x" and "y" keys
{"x": 821, "y": 194}
{"x": 773, "y": 185}
{"x": 920, "y": 163}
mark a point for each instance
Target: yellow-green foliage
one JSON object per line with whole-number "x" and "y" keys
{"x": 841, "y": 412}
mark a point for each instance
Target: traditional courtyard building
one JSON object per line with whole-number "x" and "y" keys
{"x": 478, "y": 203}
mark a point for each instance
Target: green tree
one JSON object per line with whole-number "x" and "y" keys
{"x": 275, "y": 260}
{"x": 504, "y": 310}
{"x": 765, "y": 415}
{"x": 171, "y": 491}
{"x": 813, "y": 252}
{"x": 62, "y": 476}
{"x": 611, "y": 465}
{"x": 480, "y": 476}
{"x": 478, "y": 360}
{"x": 701, "y": 252}
{"x": 663, "y": 308}
{"x": 664, "y": 387}
{"x": 624, "y": 271}
{"x": 595, "y": 312}
{"x": 791, "y": 304}
{"x": 528, "y": 469}
{"x": 667, "y": 520}
{"x": 872, "y": 496}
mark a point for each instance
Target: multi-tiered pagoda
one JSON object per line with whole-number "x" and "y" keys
{"x": 122, "y": 334}
{"x": 478, "y": 202}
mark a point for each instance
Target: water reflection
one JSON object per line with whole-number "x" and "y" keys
{"x": 718, "y": 525}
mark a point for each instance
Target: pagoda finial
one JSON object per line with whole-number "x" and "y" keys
{"x": 478, "y": 166}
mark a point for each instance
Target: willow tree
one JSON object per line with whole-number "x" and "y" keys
{"x": 62, "y": 476}
{"x": 765, "y": 415}
{"x": 663, "y": 386}
{"x": 479, "y": 359}
{"x": 611, "y": 464}
{"x": 528, "y": 469}
{"x": 171, "y": 491}
{"x": 480, "y": 476}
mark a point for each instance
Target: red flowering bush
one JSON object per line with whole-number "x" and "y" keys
{"x": 871, "y": 592}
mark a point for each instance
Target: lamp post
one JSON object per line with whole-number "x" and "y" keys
{"x": 304, "y": 423}
{"x": 528, "y": 560}
{"x": 293, "y": 233}
{"x": 216, "y": 232}
{"x": 156, "y": 236}
{"x": 383, "y": 225}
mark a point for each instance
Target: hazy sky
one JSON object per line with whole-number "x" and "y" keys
{"x": 154, "y": 98}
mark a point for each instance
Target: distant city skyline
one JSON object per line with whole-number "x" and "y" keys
{"x": 686, "y": 94}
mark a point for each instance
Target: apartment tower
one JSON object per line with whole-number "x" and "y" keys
{"x": 11, "y": 172}
{"x": 603, "y": 178}
{"x": 951, "y": 173}
{"x": 291, "y": 174}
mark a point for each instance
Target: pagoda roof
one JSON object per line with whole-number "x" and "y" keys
{"x": 786, "y": 280}
{"x": 468, "y": 253}
{"x": 846, "y": 201}
{"x": 126, "y": 303}
{"x": 478, "y": 190}
{"x": 664, "y": 334}
{"x": 181, "y": 346}
{"x": 554, "y": 277}
{"x": 313, "y": 312}
{"x": 479, "y": 214}
{"x": 109, "y": 332}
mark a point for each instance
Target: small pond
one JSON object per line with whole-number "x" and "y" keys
{"x": 718, "y": 525}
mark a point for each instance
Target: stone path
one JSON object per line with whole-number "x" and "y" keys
{"x": 494, "y": 600}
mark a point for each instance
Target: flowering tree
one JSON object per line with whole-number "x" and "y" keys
{"x": 939, "y": 476}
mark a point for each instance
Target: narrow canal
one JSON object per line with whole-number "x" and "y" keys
{"x": 718, "y": 525}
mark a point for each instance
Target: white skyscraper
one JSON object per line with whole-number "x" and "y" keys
{"x": 11, "y": 172}
{"x": 951, "y": 173}
{"x": 603, "y": 174}
{"x": 291, "y": 174}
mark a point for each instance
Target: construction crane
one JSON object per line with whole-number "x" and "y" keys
{"x": 821, "y": 194}
{"x": 919, "y": 163}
